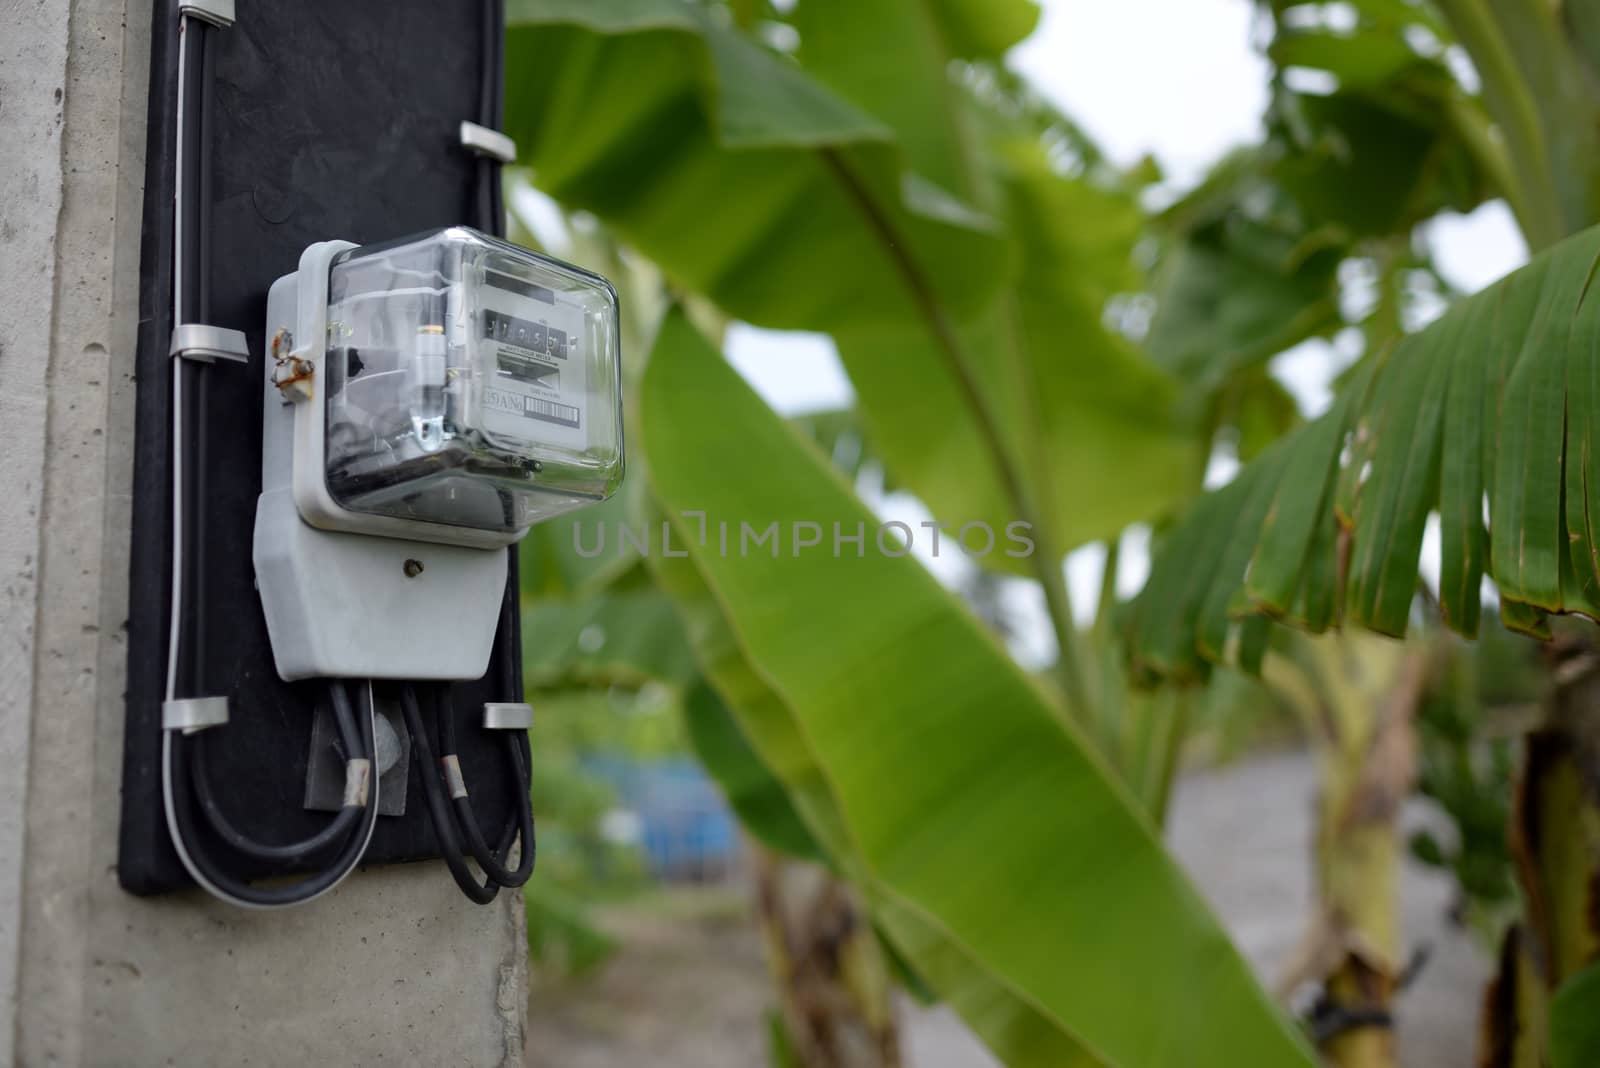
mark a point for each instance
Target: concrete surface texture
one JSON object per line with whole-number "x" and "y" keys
{"x": 395, "y": 966}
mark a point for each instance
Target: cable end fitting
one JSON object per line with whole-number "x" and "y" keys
{"x": 452, "y": 776}
{"x": 357, "y": 776}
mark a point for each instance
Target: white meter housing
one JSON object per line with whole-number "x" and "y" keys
{"x": 426, "y": 401}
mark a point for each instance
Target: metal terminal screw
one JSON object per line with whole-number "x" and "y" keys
{"x": 412, "y": 568}
{"x": 291, "y": 374}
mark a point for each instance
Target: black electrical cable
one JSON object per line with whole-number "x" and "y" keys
{"x": 497, "y": 54}
{"x": 438, "y": 809}
{"x": 511, "y": 636}
{"x": 489, "y": 203}
{"x": 293, "y": 852}
{"x": 283, "y": 894}
{"x": 493, "y": 106}
{"x": 450, "y": 811}
{"x": 467, "y": 820}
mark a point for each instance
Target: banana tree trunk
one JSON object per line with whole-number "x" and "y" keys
{"x": 836, "y": 1008}
{"x": 1555, "y": 844}
{"x": 1360, "y": 695}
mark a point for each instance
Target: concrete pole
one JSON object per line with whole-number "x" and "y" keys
{"x": 395, "y": 966}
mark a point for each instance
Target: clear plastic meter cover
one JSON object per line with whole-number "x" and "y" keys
{"x": 470, "y": 382}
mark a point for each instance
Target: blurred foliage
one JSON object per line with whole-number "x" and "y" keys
{"x": 563, "y": 939}
{"x": 1574, "y": 1025}
{"x": 580, "y": 864}
{"x": 1032, "y": 333}
{"x": 819, "y": 690}
{"x": 763, "y": 806}
{"x": 1397, "y": 110}
{"x": 840, "y": 436}
{"x": 1467, "y": 728}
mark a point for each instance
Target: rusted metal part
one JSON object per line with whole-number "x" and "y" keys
{"x": 293, "y": 377}
{"x": 290, "y": 373}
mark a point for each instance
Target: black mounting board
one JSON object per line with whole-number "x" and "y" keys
{"x": 328, "y": 121}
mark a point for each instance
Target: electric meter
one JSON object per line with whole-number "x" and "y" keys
{"x": 471, "y": 389}
{"x": 426, "y": 399}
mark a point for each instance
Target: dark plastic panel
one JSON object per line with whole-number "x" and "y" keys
{"x": 329, "y": 120}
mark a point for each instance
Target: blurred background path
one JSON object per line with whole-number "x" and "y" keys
{"x": 687, "y": 987}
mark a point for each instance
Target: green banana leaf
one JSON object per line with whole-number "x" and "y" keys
{"x": 618, "y": 637}
{"x": 1019, "y": 1034}
{"x": 910, "y": 89}
{"x": 1542, "y": 100}
{"x": 1497, "y": 404}
{"x": 563, "y": 558}
{"x": 866, "y": 201}
{"x": 1079, "y": 407}
{"x": 1254, "y": 251}
{"x": 1087, "y": 419}
{"x": 760, "y": 801}
{"x": 728, "y": 166}
{"x": 1023, "y": 1037}
{"x": 839, "y": 434}
{"x": 963, "y": 797}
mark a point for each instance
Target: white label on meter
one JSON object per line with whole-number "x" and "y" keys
{"x": 535, "y": 374}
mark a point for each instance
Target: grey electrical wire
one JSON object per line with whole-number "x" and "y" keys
{"x": 193, "y": 34}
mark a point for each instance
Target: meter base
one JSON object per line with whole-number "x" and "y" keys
{"x": 366, "y": 152}
{"x": 350, "y": 606}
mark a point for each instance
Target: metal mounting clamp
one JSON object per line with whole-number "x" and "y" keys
{"x": 486, "y": 142}
{"x": 218, "y": 13}
{"x": 193, "y": 713}
{"x": 507, "y": 716}
{"x": 198, "y": 341}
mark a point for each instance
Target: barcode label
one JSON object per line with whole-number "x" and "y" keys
{"x": 550, "y": 411}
